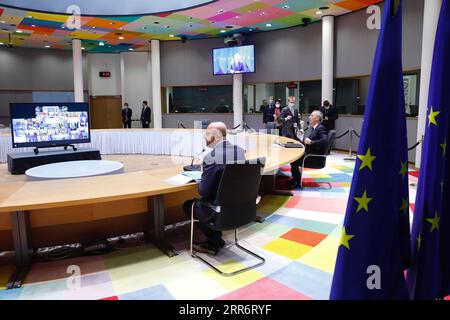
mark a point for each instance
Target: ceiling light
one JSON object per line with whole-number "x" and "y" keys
{"x": 1, "y": 43}
{"x": 19, "y": 31}
{"x": 222, "y": 31}
{"x": 250, "y": 29}
{"x": 3, "y": 21}
{"x": 83, "y": 48}
{"x": 318, "y": 12}
{"x": 101, "y": 44}
{"x": 171, "y": 35}
{"x": 237, "y": 17}
{"x": 33, "y": 25}
{"x": 268, "y": 25}
{"x": 93, "y": 27}
{"x": 130, "y": 49}
{"x": 121, "y": 38}
{"x": 31, "y": 17}
{"x": 47, "y": 46}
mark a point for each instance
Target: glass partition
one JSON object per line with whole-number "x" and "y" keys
{"x": 350, "y": 96}
{"x": 200, "y": 99}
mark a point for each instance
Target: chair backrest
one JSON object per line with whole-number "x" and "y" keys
{"x": 237, "y": 193}
{"x": 331, "y": 136}
{"x": 321, "y": 162}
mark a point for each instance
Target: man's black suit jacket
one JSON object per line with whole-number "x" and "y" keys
{"x": 146, "y": 116}
{"x": 319, "y": 138}
{"x": 213, "y": 167}
{"x": 126, "y": 115}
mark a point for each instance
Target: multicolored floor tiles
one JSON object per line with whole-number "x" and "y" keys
{"x": 299, "y": 240}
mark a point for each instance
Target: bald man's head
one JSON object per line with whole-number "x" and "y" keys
{"x": 216, "y": 132}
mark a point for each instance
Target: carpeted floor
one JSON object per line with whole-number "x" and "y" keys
{"x": 299, "y": 240}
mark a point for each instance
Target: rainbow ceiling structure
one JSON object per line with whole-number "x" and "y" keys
{"x": 197, "y": 19}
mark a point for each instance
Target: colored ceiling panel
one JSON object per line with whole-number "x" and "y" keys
{"x": 205, "y": 21}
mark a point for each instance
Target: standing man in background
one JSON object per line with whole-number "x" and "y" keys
{"x": 146, "y": 115}
{"x": 268, "y": 113}
{"x": 330, "y": 115}
{"x": 289, "y": 119}
{"x": 126, "y": 116}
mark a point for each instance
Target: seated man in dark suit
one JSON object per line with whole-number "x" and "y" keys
{"x": 223, "y": 152}
{"x": 315, "y": 142}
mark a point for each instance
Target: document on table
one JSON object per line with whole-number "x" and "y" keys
{"x": 185, "y": 178}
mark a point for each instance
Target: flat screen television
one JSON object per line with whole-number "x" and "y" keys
{"x": 44, "y": 125}
{"x": 240, "y": 59}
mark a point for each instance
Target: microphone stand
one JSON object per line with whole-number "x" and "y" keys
{"x": 193, "y": 167}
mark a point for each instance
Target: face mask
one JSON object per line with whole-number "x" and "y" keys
{"x": 291, "y": 104}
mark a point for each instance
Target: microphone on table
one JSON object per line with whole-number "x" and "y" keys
{"x": 193, "y": 167}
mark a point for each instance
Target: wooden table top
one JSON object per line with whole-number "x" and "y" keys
{"x": 138, "y": 180}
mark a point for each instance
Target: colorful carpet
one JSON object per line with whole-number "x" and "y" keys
{"x": 299, "y": 240}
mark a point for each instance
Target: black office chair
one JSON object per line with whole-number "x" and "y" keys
{"x": 318, "y": 161}
{"x": 237, "y": 197}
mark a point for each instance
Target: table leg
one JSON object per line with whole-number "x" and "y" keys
{"x": 20, "y": 221}
{"x": 268, "y": 186}
{"x": 159, "y": 240}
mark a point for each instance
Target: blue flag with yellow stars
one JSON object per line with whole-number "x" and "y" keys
{"x": 429, "y": 277}
{"x": 374, "y": 249}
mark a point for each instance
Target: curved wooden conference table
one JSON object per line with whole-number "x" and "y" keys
{"x": 43, "y": 213}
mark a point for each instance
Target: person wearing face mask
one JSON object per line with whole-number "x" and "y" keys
{"x": 222, "y": 152}
{"x": 315, "y": 142}
{"x": 276, "y": 115}
{"x": 330, "y": 115}
{"x": 289, "y": 119}
{"x": 146, "y": 114}
{"x": 269, "y": 110}
{"x": 126, "y": 116}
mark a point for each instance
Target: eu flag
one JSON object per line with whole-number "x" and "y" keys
{"x": 429, "y": 277}
{"x": 374, "y": 248}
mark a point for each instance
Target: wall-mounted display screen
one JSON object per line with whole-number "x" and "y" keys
{"x": 49, "y": 124}
{"x": 231, "y": 60}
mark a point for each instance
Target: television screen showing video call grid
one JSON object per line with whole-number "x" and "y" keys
{"x": 231, "y": 60}
{"x": 49, "y": 124}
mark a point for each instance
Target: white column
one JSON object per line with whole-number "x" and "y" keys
{"x": 431, "y": 13}
{"x": 77, "y": 70}
{"x": 237, "y": 100}
{"x": 122, "y": 77}
{"x": 327, "y": 58}
{"x": 156, "y": 85}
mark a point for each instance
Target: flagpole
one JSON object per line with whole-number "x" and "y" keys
{"x": 432, "y": 9}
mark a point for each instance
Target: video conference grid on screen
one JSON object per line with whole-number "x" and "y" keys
{"x": 49, "y": 125}
{"x": 234, "y": 60}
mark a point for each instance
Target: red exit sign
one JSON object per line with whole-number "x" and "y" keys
{"x": 292, "y": 86}
{"x": 104, "y": 74}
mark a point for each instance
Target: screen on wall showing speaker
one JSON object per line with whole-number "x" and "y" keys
{"x": 49, "y": 124}
{"x": 239, "y": 59}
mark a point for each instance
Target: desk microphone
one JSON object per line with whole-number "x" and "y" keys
{"x": 193, "y": 167}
